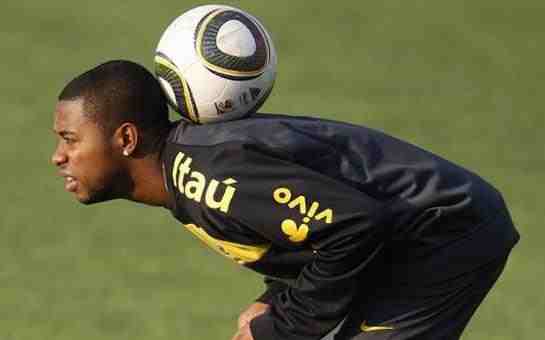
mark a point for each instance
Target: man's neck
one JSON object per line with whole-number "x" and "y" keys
{"x": 148, "y": 176}
{"x": 149, "y": 183}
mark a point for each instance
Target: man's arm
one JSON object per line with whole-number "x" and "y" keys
{"x": 250, "y": 313}
{"x": 321, "y": 296}
{"x": 274, "y": 286}
{"x": 299, "y": 209}
{"x": 243, "y": 333}
{"x": 262, "y": 304}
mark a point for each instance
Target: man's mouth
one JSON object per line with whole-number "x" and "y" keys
{"x": 70, "y": 183}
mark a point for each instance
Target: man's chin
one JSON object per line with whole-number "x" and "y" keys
{"x": 93, "y": 199}
{"x": 87, "y": 201}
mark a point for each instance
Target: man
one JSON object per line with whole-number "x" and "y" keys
{"x": 345, "y": 222}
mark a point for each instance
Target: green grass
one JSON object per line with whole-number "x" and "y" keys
{"x": 461, "y": 78}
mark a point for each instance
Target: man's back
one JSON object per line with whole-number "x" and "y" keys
{"x": 414, "y": 188}
{"x": 325, "y": 205}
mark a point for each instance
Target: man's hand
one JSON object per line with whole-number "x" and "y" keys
{"x": 251, "y": 312}
{"x": 244, "y": 333}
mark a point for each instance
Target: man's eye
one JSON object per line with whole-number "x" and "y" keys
{"x": 69, "y": 140}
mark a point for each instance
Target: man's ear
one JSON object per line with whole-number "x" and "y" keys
{"x": 126, "y": 138}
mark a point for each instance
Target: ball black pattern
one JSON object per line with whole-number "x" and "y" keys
{"x": 185, "y": 103}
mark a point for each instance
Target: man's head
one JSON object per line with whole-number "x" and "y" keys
{"x": 105, "y": 117}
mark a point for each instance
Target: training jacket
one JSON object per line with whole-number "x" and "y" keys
{"x": 311, "y": 203}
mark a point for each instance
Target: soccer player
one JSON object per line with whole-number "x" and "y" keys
{"x": 346, "y": 223}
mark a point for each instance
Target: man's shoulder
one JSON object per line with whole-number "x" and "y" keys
{"x": 242, "y": 130}
{"x": 261, "y": 128}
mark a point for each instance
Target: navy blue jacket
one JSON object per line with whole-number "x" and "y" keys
{"x": 310, "y": 203}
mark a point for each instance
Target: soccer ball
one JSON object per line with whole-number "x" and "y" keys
{"x": 215, "y": 63}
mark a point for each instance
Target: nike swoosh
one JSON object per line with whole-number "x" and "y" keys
{"x": 366, "y": 328}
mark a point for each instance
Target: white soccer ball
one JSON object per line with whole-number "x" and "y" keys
{"x": 215, "y": 63}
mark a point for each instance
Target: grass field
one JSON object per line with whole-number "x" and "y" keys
{"x": 461, "y": 78}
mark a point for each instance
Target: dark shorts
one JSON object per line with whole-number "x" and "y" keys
{"x": 423, "y": 309}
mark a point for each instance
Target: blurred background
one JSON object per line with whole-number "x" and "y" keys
{"x": 460, "y": 78}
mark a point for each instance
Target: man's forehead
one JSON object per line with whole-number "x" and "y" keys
{"x": 69, "y": 114}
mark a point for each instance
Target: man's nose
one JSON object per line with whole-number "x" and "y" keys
{"x": 58, "y": 157}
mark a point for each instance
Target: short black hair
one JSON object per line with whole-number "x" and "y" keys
{"x": 120, "y": 91}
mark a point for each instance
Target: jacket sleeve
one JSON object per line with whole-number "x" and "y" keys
{"x": 299, "y": 209}
{"x": 321, "y": 296}
{"x": 273, "y": 287}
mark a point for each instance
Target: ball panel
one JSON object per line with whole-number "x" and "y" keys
{"x": 222, "y": 63}
{"x": 170, "y": 45}
{"x": 235, "y": 39}
{"x": 171, "y": 96}
{"x": 260, "y": 100}
{"x": 209, "y": 92}
{"x": 181, "y": 30}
